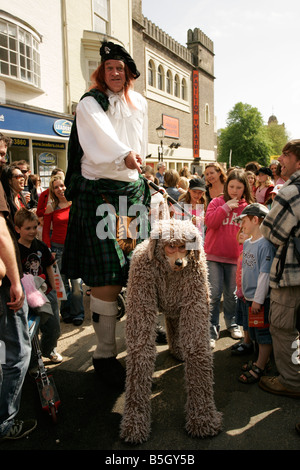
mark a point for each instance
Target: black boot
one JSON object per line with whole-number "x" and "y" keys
{"x": 110, "y": 371}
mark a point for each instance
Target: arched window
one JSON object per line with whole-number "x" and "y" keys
{"x": 160, "y": 78}
{"x": 183, "y": 89}
{"x": 150, "y": 73}
{"x": 169, "y": 82}
{"x": 177, "y": 86}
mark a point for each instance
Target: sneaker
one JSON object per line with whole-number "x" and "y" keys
{"x": 235, "y": 332}
{"x": 55, "y": 357}
{"x": 20, "y": 429}
{"x": 212, "y": 343}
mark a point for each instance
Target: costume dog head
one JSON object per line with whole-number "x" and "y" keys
{"x": 176, "y": 241}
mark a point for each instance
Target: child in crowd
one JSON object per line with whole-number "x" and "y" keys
{"x": 159, "y": 207}
{"x": 252, "y": 180}
{"x": 222, "y": 250}
{"x": 37, "y": 260}
{"x": 258, "y": 254}
{"x": 194, "y": 201}
{"x": 170, "y": 183}
{"x": 264, "y": 186}
{"x": 183, "y": 185}
{"x": 241, "y": 313}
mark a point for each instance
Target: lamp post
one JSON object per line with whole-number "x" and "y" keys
{"x": 161, "y": 134}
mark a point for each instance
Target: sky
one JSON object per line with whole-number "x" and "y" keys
{"x": 256, "y": 46}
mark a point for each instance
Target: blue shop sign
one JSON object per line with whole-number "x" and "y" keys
{"x": 20, "y": 120}
{"x": 62, "y": 127}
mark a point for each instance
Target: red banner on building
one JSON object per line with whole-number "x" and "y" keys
{"x": 196, "y": 113}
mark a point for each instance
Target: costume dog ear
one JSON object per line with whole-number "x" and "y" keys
{"x": 151, "y": 248}
{"x": 195, "y": 247}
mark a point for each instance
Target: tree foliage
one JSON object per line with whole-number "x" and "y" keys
{"x": 245, "y": 137}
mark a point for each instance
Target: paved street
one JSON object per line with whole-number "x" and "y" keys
{"x": 90, "y": 414}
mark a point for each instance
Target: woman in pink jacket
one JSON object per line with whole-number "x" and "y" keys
{"x": 222, "y": 249}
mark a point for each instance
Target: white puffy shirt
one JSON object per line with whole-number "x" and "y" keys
{"x": 106, "y": 137}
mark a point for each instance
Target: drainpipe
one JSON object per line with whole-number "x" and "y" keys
{"x": 66, "y": 57}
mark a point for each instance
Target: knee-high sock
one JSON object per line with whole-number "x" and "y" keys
{"x": 104, "y": 323}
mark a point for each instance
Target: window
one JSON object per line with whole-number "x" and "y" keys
{"x": 91, "y": 66}
{"x": 19, "y": 53}
{"x": 207, "y": 114}
{"x": 101, "y": 16}
{"x": 183, "y": 89}
{"x": 160, "y": 78}
{"x": 169, "y": 82}
{"x": 150, "y": 73}
{"x": 177, "y": 86}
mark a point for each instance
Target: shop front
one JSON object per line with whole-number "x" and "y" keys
{"x": 40, "y": 139}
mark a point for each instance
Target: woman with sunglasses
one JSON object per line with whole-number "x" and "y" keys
{"x": 13, "y": 183}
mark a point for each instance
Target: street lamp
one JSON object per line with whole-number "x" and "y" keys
{"x": 161, "y": 134}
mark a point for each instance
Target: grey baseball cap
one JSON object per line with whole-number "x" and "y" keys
{"x": 253, "y": 209}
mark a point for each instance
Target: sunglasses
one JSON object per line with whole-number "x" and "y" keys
{"x": 18, "y": 176}
{"x": 24, "y": 171}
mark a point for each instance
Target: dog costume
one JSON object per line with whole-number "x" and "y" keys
{"x": 178, "y": 288}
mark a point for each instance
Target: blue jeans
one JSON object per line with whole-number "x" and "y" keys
{"x": 72, "y": 308}
{"x": 16, "y": 351}
{"x": 222, "y": 279}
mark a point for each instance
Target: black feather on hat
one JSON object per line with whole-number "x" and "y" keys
{"x": 112, "y": 51}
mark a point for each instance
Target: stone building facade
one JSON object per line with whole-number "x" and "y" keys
{"x": 178, "y": 83}
{"x": 48, "y": 51}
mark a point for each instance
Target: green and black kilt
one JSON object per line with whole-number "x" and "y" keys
{"x": 98, "y": 262}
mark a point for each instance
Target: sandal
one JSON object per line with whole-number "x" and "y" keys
{"x": 249, "y": 365}
{"x": 248, "y": 378}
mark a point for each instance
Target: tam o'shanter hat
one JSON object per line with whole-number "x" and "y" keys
{"x": 112, "y": 51}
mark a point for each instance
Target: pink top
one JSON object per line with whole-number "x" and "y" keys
{"x": 220, "y": 242}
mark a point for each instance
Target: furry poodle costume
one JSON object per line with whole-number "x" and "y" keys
{"x": 177, "y": 286}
